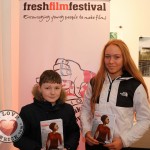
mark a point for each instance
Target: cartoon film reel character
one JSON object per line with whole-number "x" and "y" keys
{"x": 74, "y": 77}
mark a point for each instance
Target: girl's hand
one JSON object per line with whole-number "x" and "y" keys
{"x": 90, "y": 140}
{"x": 115, "y": 145}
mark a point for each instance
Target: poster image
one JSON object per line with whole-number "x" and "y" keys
{"x": 52, "y": 134}
{"x": 103, "y": 127}
{"x": 144, "y": 56}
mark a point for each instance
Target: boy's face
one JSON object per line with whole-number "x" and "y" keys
{"x": 51, "y": 91}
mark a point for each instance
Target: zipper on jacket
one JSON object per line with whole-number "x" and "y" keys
{"x": 109, "y": 91}
{"x": 111, "y": 82}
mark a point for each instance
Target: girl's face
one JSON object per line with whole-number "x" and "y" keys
{"x": 113, "y": 61}
{"x": 51, "y": 91}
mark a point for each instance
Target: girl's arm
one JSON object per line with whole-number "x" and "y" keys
{"x": 142, "y": 109}
{"x": 86, "y": 115}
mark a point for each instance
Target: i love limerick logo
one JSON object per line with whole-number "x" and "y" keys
{"x": 11, "y": 126}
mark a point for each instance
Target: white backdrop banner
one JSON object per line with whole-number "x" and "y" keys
{"x": 66, "y": 36}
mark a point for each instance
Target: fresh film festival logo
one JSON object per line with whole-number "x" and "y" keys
{"x": 64, "y": 6}
{"x": 11, "y": 126}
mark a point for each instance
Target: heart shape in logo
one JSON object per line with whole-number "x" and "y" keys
{"x": 8, "y": 127}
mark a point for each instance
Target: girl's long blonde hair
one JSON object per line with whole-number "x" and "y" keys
{"x": 128, "y": 65}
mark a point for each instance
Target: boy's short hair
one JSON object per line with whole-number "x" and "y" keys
{"x": 50, "y": 76}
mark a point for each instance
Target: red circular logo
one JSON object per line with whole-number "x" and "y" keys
{"x": 11, "y": 126}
